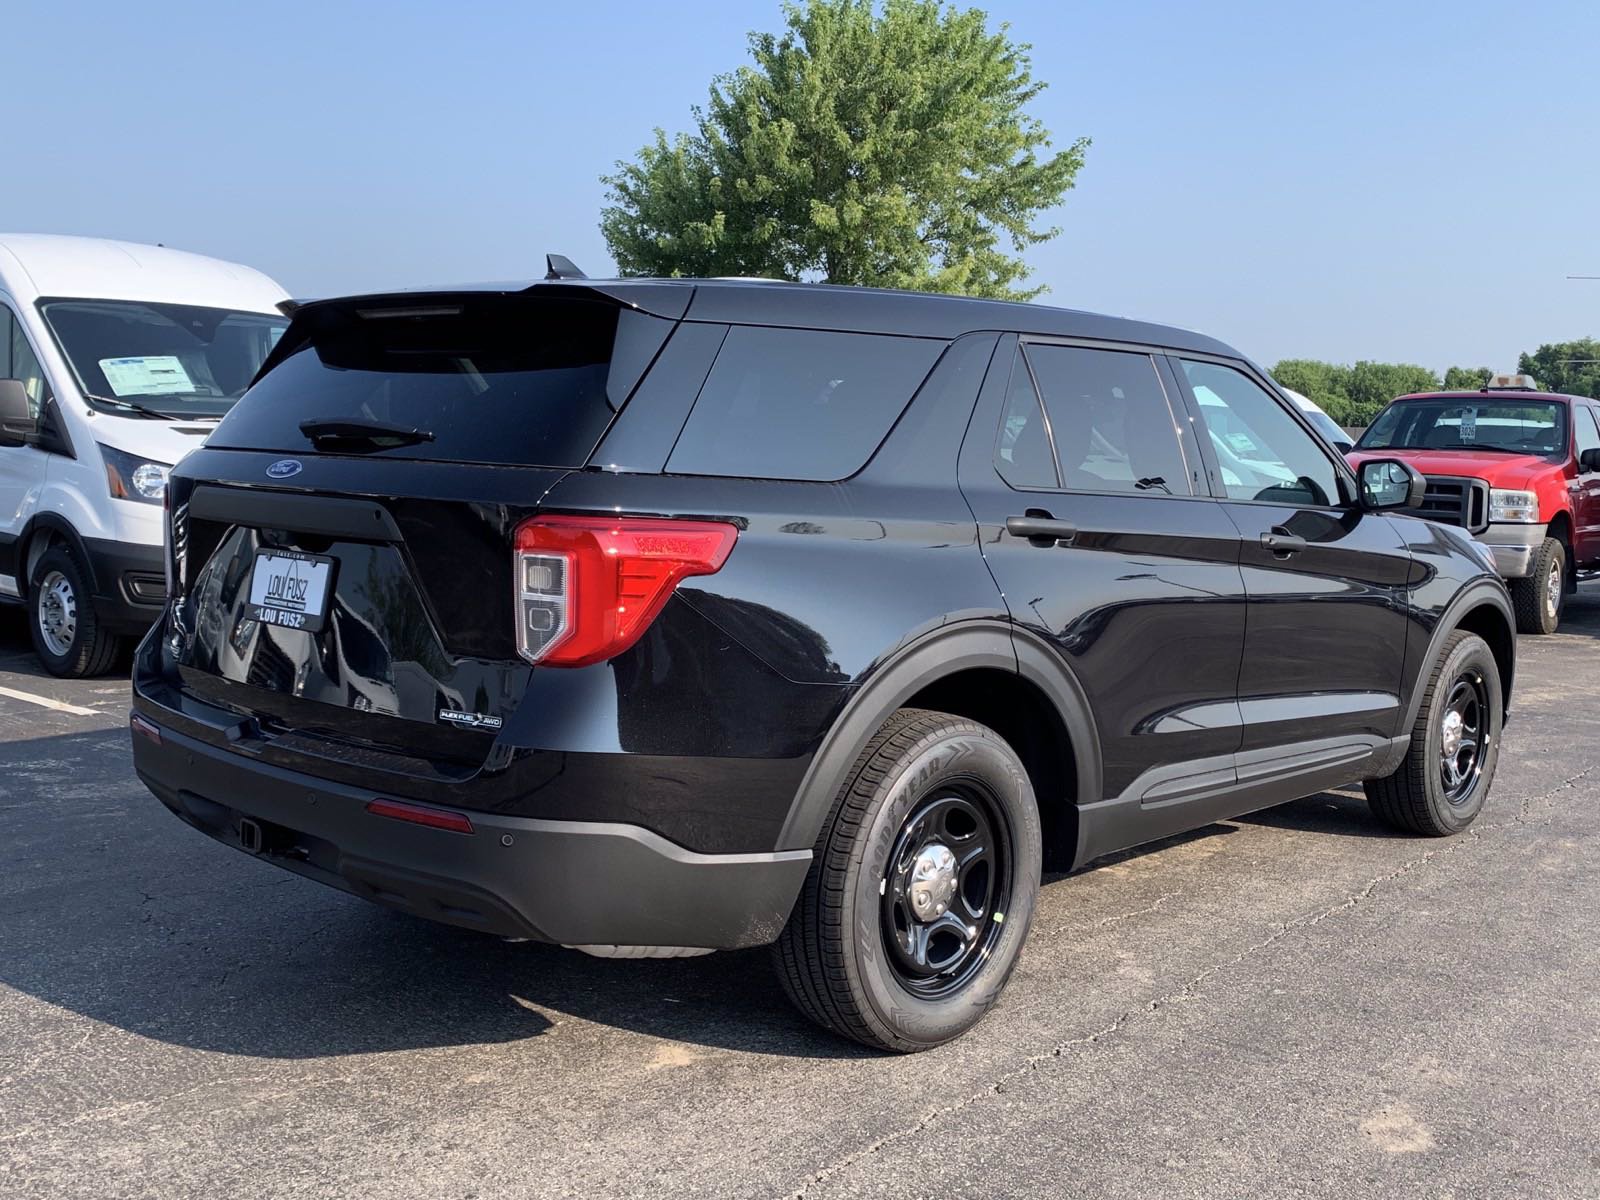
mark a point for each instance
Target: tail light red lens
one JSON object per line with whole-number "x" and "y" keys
{"x": 588, "y": 587}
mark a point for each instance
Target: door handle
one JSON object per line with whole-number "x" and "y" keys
{"x": 1283, "y": 544}
{"x": 1041, "y": 529}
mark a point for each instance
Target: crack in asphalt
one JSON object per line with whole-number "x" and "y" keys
{"x": 1469, "y": 837}
{"x": 1118, "y": 918}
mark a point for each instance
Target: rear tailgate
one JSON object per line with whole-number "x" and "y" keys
{"x": 399, "y": 632}
{"x": 349, "y": 596}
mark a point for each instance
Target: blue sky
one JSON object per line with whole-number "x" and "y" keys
{"x": 1392, "y": 181}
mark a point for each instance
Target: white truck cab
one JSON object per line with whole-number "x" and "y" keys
{"x": 116, "y": 360}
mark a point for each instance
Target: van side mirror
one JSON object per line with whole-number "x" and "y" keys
{"x": 1390, "y": 483}
{"x": 17, "y": 423}
{"x": 1589, "y": 460}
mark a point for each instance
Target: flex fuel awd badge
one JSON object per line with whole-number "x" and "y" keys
{"x": 468, "y": 720}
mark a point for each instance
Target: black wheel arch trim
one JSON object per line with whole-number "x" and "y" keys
{"x": 1475, "y": 594}
{"x": 943, "y": 652}
{"x": 59, "y": 525}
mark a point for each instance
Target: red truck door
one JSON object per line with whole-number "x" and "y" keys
{"x": 1586, "y": 491}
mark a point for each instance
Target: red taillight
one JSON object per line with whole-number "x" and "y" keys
{"x": 588, "y": 587}
{"x": 144, "y": 728}
{"x": 421, "y": 814}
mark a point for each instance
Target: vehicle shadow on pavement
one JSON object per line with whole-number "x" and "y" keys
{"x": 1343, "y": 813}
{"x": 1057, "y": 865}
{"x": 17, "y": 656}
{"x": 1581, "y": 615}
{"x": 112, "y": 909}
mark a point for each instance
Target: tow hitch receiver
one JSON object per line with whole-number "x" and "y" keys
{"x": 249, "y": 836}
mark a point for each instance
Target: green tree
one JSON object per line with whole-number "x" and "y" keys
{"x": 1571, "y": 367}
{"x": 1466, "y": 379}
{"x": 1327, "y": 384}
{"x": 891, "y": 149}
{"x": 1373, "y": 385}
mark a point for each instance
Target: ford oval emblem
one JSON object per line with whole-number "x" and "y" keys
{"x": 284, "y": 468}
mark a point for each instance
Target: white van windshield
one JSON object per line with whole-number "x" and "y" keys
{"x": 168, "y": 360}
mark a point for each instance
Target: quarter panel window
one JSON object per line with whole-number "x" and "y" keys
{"x": 1023, "y": 456}
{"x": 1112, "y": 426}
{"x": 1263, "y": 452}
{"x": 799, "y": 403}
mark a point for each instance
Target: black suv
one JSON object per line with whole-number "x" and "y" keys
{"x": 656, "y": 617}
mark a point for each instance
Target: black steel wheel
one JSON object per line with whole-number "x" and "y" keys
{"x": 1443, "y": 781}
{"x": 921, "y": 889}
{"x": 946, "y": 889}
{"x": 1462, "y": 736}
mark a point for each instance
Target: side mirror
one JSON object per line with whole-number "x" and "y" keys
{"x": 1390, "y": 483}
{"x": 1589, "y": 460}
{"x": 17, "y": 424}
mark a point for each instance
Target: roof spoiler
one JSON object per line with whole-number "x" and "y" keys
{"x": 559, "y": 266}
{"x": 289, "y": 307}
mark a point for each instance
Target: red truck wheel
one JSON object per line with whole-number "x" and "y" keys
{"x": 1538, "y": 598}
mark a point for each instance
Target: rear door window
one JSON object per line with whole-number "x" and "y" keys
{"x": 1110, "y": 422}
{"x": 493, "y": 379}
{"x": 799, "y": 403}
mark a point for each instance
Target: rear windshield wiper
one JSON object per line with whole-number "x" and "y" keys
{"x": 347, "y": 432}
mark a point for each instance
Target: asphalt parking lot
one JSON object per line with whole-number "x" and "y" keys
{"x": 1297, "y": 1003}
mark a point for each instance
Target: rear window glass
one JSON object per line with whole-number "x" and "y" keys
{"x": 492, "y": 379}
{"x": 799, "y": 404}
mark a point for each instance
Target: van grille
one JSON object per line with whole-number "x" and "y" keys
{"x": 1455, "y": 501}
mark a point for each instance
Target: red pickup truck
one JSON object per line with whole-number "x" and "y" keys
{"x": 1519, "y": 469}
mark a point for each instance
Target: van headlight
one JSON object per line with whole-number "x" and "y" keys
{"x": 1506, "y": 505}
{"x": 129, "y": 477}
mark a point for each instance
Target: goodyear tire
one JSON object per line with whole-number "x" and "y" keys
{"x": 922, "y": 887}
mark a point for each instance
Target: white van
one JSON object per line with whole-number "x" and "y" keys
{"x": 116, "y": 360}
{"x": 1325, "y": 425}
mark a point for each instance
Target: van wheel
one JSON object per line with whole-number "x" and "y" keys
{"x": 921, "y": 889}
{"x": 1538, "y": 598}
{"x": 1441, "y": 785}
{"x": 66, "y": 635}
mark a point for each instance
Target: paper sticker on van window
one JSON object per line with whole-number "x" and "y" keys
{"x": 155, "y": 375}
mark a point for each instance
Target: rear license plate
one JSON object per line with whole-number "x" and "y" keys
{"x": 291, "y": 589}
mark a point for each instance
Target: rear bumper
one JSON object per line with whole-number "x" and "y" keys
{"x": 1513, "y": 547}
{"x": 578, "y": 883}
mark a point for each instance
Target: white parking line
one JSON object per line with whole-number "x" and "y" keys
{"x": 46, "y": 702}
